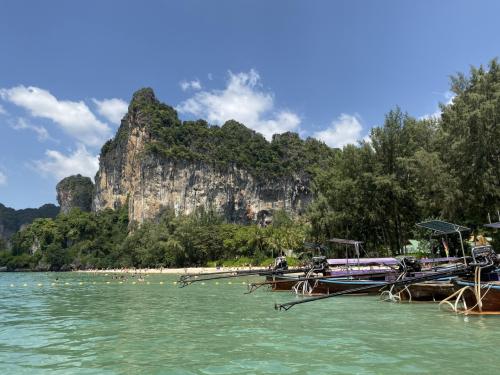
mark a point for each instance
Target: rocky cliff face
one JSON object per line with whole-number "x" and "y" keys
{"x": 75, "y": 191}
{"x": 129, "y": 173}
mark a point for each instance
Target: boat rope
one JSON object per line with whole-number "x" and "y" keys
{"x": 391, "y": 296}
{"x": 304, "y": 287}
{"x": 460, "y": 298}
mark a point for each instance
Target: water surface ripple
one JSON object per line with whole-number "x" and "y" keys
{"x": 83, "y": 325}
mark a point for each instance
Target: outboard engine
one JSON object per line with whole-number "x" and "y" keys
{"x": 410, "y": 264}
{"x": 319, "y": 264}
{"x": 485, "y": 258}
{"x": 280, "y": 264}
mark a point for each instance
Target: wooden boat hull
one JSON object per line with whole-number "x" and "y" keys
{"x": 490, "y": 293}
{"x": 329, "y": 286}
{"x": 283, "y": 283}
{"x": 431, "y": 291}
{"x": 325, "y": 286}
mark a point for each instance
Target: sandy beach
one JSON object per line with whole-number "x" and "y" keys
{"x": 173, "y": 271}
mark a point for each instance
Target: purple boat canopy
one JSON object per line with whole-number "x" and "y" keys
{"x": 384, "y": 261}
{"x": 493, "y": 225}
{"x": 363, "y": 261}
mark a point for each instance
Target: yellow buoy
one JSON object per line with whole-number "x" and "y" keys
{"x": 11, "y": 285}
{"x": 107, "y": 282}
{"x": 80, "y": 283}
{"x": 202, "y": 283}
{"x": 53, "y": 284}
{"x": 216, "y": 283}
{"x": 161, "y": 282}
{"x": 40, "y": 284}
{"x": 66, "y": 283}
{"x": 230, "y": 283}
{"x": 133, "y": 282}
{"x": 175, "y": 282}
{"x": 121, "y": 282}
{"x": 25, "y": 284}
{"x": 148, "y": 283}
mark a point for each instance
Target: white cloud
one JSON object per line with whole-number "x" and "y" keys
{"x": 435, "y": 115}
{"x": 58, "y": 165}
{"x": 2, "y": 110}
{"x": 3, "y": 179}
{"x": 112, "y": 109}
{"x": 75, "y": 118}
{"x": 242, "y": 100}
{"x": 344, "y": 130}
{"x": 41, "y": 132}
{"x": 449, "y": 96}
{"x": 193, "y": 85}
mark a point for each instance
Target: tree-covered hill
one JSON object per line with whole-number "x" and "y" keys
{"x": 11, "y": 220}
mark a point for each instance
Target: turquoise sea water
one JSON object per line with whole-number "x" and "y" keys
{"x": 78, "y": 327}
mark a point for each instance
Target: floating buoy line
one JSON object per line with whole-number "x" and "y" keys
{"x": 96, "y": 283}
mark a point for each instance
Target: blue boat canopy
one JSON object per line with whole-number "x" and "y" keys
{"x": 442, "y": 227}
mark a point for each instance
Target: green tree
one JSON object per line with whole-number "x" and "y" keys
{"x": 470, "y": 142}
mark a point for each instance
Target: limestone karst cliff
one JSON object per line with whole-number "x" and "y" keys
{"x": 156, "y": 161}
{"x": 75, "y": 192}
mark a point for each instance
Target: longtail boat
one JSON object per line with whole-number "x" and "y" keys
{"x": 458, "y": 269}
{"x": 317, "y": 284}
{"x": 407, "y": 267}
{"x": 344, "y": 271}
{"x": 352, "y": 272}
{"x": 435, "y": 290}
{"x": 336, "y": 281}
{"x": 479, "y": 291}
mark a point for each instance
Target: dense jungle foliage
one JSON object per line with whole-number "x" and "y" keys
{"x": 100, "y": 240}
{"x": 409, "y": 170}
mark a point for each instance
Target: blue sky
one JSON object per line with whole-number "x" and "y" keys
{"x": 328, "y": 69}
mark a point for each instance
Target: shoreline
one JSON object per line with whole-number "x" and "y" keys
{"x": 173, "y": 271}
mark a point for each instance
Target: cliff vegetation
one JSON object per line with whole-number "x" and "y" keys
{"x": 230, "y": 144}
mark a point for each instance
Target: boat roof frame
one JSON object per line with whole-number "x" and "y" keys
{"x": 440, "y": 228}
{"x": 356, "y": 245}
{"x": 342, "y": 241}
